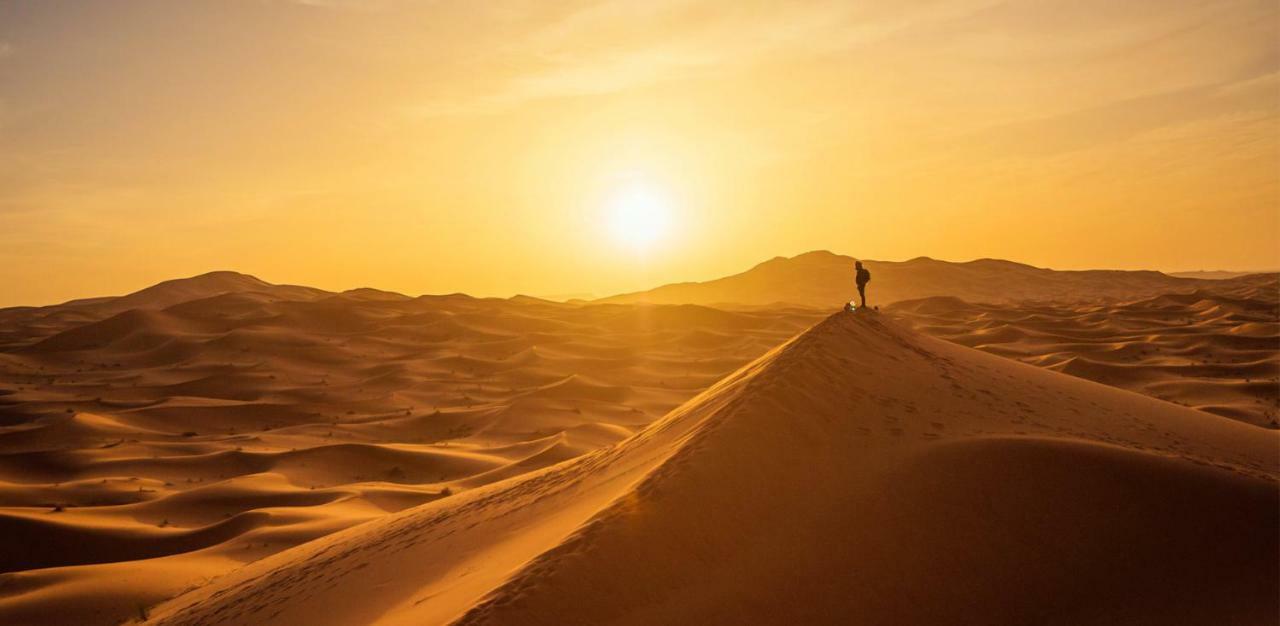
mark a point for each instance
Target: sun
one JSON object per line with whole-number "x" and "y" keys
{"x": 639, "y": 215}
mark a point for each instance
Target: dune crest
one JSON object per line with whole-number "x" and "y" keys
{"x": 260, "y": 428}
{"x": 177, "y": 442}
{"x": 824, "y": 280}
{"x": 859, "y": 469}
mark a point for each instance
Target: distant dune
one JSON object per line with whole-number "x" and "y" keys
{"x": 19, "y": 325}
{"x": 145, "y": 450}
{"x": 825, "y": 280}
{"x": 1212, "y": 274}
{"x": 171, "y": 292}
{"x": 280, "y": 454}
{"x": 859, "y": 472}
{"x": 1216, "y": 348}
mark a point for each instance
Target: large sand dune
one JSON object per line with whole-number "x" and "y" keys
{"x": 145, "y": 450}
{"x": 442, "y": 456}
{"x": 858, "y": 473}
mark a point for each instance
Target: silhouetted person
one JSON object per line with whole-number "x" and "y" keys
{"x": 862, "y": 279}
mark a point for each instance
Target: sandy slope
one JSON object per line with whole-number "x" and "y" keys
{"x": 144, "y": 451}
{"x": 860, "y": 472}
{"x": 152, "y": 442}
{"x": 1216, "y": 348}
{"x": 825, "y": 280}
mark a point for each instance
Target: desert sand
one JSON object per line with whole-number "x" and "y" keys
{"x": 857, "y": 470}
{"x": 153, "y": 441}
{"x": 1216, "y": 348}
{"x": 221, "y": 450}
{"x": 1208, "y": 343}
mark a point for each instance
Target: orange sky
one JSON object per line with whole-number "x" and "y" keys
{"x": 479, "y": 146}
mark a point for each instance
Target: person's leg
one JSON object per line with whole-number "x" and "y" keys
{"x": 862, "y": 295}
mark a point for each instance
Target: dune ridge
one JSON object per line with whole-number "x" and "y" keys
{"x": 177, "y": 441}
{"x": 1216, "y": 348}
{"x": 825, "y": 280}
{"x": 859, "y": 469}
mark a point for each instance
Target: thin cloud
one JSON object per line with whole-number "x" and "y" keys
{"x": 348, "y": 5}
{"x": 614, "y": 46}
{"x": 1114, "y": 122}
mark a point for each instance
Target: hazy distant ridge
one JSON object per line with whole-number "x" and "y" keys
{"x": 825, "y": 279}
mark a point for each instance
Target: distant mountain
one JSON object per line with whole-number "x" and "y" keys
{"x": 178, "y": 290}
{"x": 25, "y": 323}
{"x": 1210, "y": 274}
{"x": 824, "y": 279}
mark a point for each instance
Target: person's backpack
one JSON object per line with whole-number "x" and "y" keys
{"x": 864, "y": 276}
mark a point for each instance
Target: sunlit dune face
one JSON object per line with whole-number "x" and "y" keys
{"x": 639, "y": 215}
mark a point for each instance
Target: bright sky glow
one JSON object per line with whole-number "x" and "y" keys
{"x": 639, "y": 215}
{"x": 606, "y": 146}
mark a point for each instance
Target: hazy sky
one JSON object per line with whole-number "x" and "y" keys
{"x": 482, "y": 146}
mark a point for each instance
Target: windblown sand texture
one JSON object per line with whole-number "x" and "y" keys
{"x": 1216, "y": 348}
{"x": 221, "y": 450}
{"x": 151, "y": 442}
{"x": 860, "y": 470}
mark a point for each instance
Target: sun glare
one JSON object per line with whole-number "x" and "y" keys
{"x": 639, "y": 215}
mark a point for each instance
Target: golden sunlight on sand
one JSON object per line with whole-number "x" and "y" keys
{"x": 617, "y": 313}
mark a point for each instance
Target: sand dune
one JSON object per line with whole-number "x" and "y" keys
{"x": 825, "y": 280}
{"x": 176, "y": 291}
{"x": 1212, "y": 274}
{"x": 187, "y": 438}
{"x": 289, "y": 455}
{"x": 1216, "y": 348}
{"x": 20, "y": 325}
{"x": 858, "y": 470}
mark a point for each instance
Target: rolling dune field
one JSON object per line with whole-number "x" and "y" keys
{"x": 222, "y": 450}
{"x": 1215, "y": 348}
{"x": 860, "y": 469}
{"x": 151, "y": 445}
